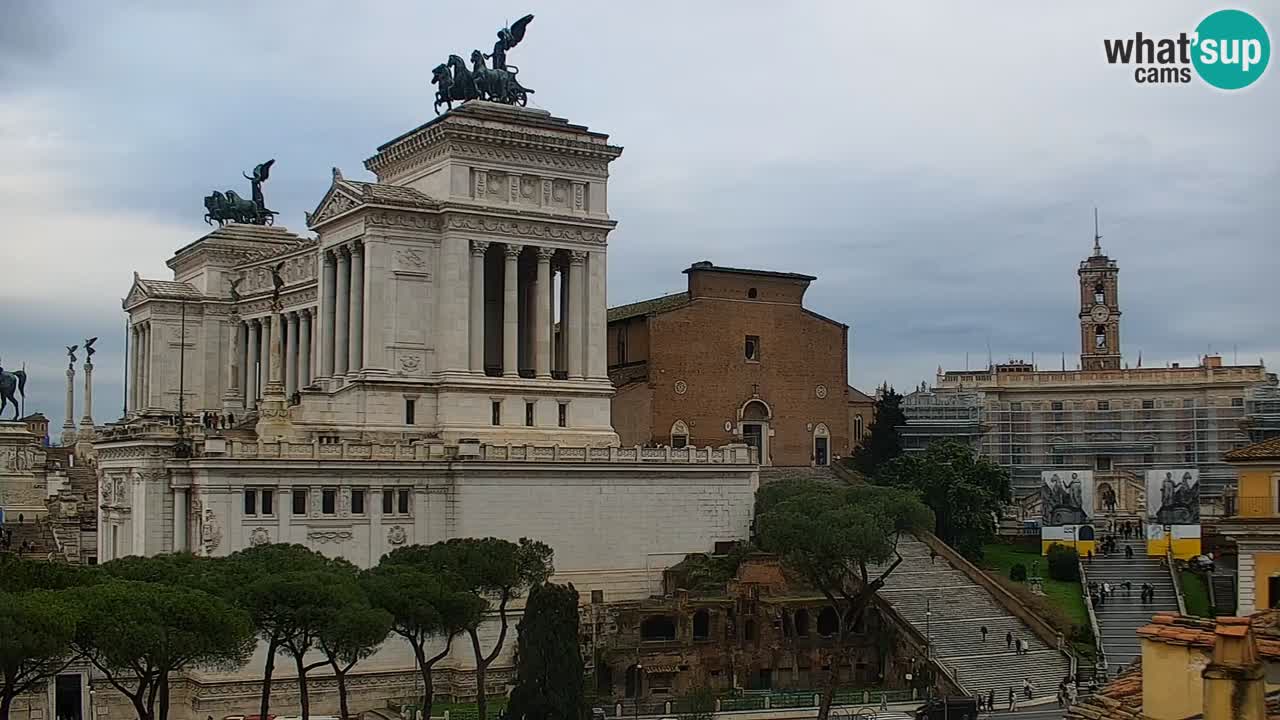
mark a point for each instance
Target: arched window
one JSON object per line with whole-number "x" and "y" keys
{"x": 633, "y": 680}
{"x": 755, "y": 410}
{"x": 858, "y": 431}
{"x": 802, "y": 623}
{"x": 1100, "y": 337}
{"x": 828, "y": 622}
{"x": 749, "y": 630}
{"x": 1099, "y": 294}
{"x": 701, "y": 625}
{"x": 657, "y": 628}
{"x": 679, "y": 434}
{"x": 751, "y": 293}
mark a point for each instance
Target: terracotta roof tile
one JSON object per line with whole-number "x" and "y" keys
{"x": 1265, "y": 450}
{"x": 644, "y": 307}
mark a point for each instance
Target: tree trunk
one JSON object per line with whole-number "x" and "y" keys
{"x": 828, "y": 694}
{"x": 342, "y": 693}
{"x": 304, "y": 701}
{"x": 5, "y": 702}
{"x": 482, "y": 665}
{"x": 273, "y": 646}
{"x": 164, "y": 695}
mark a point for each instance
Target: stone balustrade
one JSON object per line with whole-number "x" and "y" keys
{"x": 428, "y": 450}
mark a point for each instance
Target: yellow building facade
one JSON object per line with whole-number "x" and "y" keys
{"x": 1254, "y": 524}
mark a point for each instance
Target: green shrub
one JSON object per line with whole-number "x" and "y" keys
{"x": 1018, "y": 573}
{"x": 1064, "y": 563}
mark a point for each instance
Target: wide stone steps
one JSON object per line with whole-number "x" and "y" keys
{"x": 1120, "y": 616}
{"x": 949, "y": 608}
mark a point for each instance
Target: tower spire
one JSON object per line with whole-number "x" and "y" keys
{"x": 1097, "y": 244}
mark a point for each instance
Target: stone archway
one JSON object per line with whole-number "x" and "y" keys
{"x": 754, "y": 418}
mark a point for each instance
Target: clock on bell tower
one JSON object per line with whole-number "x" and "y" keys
{"x": 1099, "y": 309}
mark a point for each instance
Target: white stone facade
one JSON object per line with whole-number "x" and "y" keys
{"x": 431, "y": 366}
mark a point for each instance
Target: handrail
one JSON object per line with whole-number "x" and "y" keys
{"x": 1177, "y": 580}
{"x": 1093, "y": 617}
{"x": 888, "y": 609}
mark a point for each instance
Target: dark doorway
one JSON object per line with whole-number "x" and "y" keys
{"x": 67, "y": 697}
{"x": 820, "y": 451}
{"x": 701, "y": 625}
{"x": 1273, "y": 592}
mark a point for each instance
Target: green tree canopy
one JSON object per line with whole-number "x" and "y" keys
{"x": 253, "y": 574}
{"x": 883, "y": 441}
{"x": 549, "y": 668}
{"x": 425, "y": 603}
{"x": 490, "y": 568}
{"x": 964, "y": 490}
{"x": 36, "y": 631}
{"x": 18, "y": 574}
{"x": 352, "y": 633}
{"x": 841, "y": 539}
{"x": 138, "y": 633}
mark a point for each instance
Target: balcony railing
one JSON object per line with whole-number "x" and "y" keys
{"x": 1251, "y": 506}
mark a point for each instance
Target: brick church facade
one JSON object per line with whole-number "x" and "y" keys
{"x": 735, "y": 358}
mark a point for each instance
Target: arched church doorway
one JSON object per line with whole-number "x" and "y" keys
{"x": 755, "y": 416}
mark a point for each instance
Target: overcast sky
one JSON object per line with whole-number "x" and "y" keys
{"x": 935, "y": 164}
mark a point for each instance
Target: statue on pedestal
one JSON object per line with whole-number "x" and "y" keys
{"x": 497, "y": 84}
{"x": 12, "y": 384}
{"x": 230, "y": 207}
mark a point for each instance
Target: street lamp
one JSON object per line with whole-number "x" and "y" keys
{"x": 928, "y": 628}
{"x": 639, "y": 673}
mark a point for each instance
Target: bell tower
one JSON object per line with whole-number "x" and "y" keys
{"x": 1099, "y": 309}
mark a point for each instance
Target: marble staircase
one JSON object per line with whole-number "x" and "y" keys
{"x": 1123, "y": 613}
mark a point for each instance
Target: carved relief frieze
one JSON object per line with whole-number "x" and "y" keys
{"x": 410, "y": 259}
{"x": 210, "y": 531}
{"x": 338, "y": 203}
{"x": 259, "y": 536}
{"x": 417, "y": 221}
{"x": 397, "y": 535}
{"x": 329, "y": 536}
{"x": 525, "y": 228}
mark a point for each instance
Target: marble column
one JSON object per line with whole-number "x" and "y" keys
{"x": 476, "y": 364}
{"x": 342, "y": 314}
{"x": 88, "y": 394}
{"x": 355, "y": 353}
{"x": 510, "y": 308}
{"x": 181, "y": 540}
{"x": 231, "y": 394}
{"x": 577, "y": 298}
{"x": 243, "y": 333}
{"x": 135, "y": 335}
{"x": 264, "y": 354}
{"x": 304, "y": 348}
{"x": 291, "y": 355}
{"x": 596, "y": 309}
{"x": 542, "y": 316}
{"x": 328, "y": 313}
{"x": 562, "y": 356}
{"x": 68, "y": 420}
{"x": 251, "y": 366}
{"x": 144, "y": 368}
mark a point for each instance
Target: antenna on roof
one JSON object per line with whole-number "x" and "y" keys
{"x": 1097, "y": 238}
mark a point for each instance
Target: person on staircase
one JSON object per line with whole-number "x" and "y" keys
{"x": 1008, "y": 641}
{"x": 1128, "y": 552}
{"x": 983, "y": 630}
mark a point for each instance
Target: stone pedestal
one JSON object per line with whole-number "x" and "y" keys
{"x": 21, "y": 487}
{"x": 68, "y": 418}
{"x": 273, "y": 412}
{"x": 86, "y": 433}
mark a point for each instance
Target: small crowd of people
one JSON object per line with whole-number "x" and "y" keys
{"x": 1099, "y": 592}
{"x": 1129, "y": 529}
{"x": 6, "y": 539}
{"x": 1017, "y": 645}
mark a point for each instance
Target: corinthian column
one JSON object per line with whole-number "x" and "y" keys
{"x": 68, "y": 421}
{"x": 88, "y": 394}
{"x": 251, "y": 365}
{"x": 328, "y": 312}
{"x": 577, "y": 301}
{"x": 510, "y": 308}
{"x": 478, "y": 248}
{"x": 542, "y": 316}
{"x": 342, "y": 314}
{"x": 355, "y": 352}
{"x": 291, "y": 354}
{"x": 304, "y": 347}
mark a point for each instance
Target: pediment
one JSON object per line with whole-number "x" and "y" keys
{"x": 337, "y": 201}
{"x": 137, "y": 293}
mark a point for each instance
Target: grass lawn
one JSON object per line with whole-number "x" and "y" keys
{"x": 997, "y": 558}
{"x": 1196, "y": 594}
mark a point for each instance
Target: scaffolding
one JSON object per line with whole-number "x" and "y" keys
{"x": 1114, "y": 432}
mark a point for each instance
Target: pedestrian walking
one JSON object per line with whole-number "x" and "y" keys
{"x": 1013, "y": 701}
{"x": 1026, "y": 688}
{"x": 1128, "y": 588}
{"x": 1088, "y": 556}
{"x": 1023, "y": 647}
{"x": 884, "y": 701}
{"x": 991, "y": 700}
{"x": 1128, "y": 552}
{"x": 1060, "y": 700}
{"x": 1008, "y": 641}
{"x": 983, "y": 630}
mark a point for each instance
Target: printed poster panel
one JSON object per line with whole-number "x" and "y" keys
{"x": 1066, "y": 509}
{"x": 1173, "y": 512}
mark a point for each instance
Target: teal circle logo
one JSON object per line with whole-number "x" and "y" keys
{"x": 1232, "y": 49}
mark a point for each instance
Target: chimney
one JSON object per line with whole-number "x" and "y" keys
{"x": 1234, "y": 680}
{"x": 1213, "y": 361}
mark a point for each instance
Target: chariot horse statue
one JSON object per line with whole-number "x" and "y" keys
{"x": 12, "y": 384}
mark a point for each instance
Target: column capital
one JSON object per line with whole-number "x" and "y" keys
{"x": 479, "y": 247}
{"x": 545, "y": 253}
{"x": 512, "y": 250}
{"x": 331, "y": 256}
{"x": 577, "y": 257}
{"x": 355, "y": 247}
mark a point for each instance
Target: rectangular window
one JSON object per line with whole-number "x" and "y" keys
{"x": 495, "y": 412}
{"x": 528, "y": 414}
{"x": 1016, "y": 406}
{"x": 409, "y": 411}
{"x": 250, "y": 502}
{"x": 299, "y": 502}
{"x": 268, "y": 502}
{"x": 1188, "y": 402}
{"x": 1056, "y": 406}
{"x": 1237, "y": 402}
{"x": 1104, "y": 405}
{"x": 1189, "y": 453}
{"x": 1148, "y": 404}
{"x": 388, "y": 501}
{"x": 679, "y": 441}
{"x": 328, "y": 501}
{"x": 402, "y": 504}
{"x": 562, "y": 418}
{"x": 357, "y": 501}
{"x": 1059, "y": 460}
{"x": 751, "y": 348}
